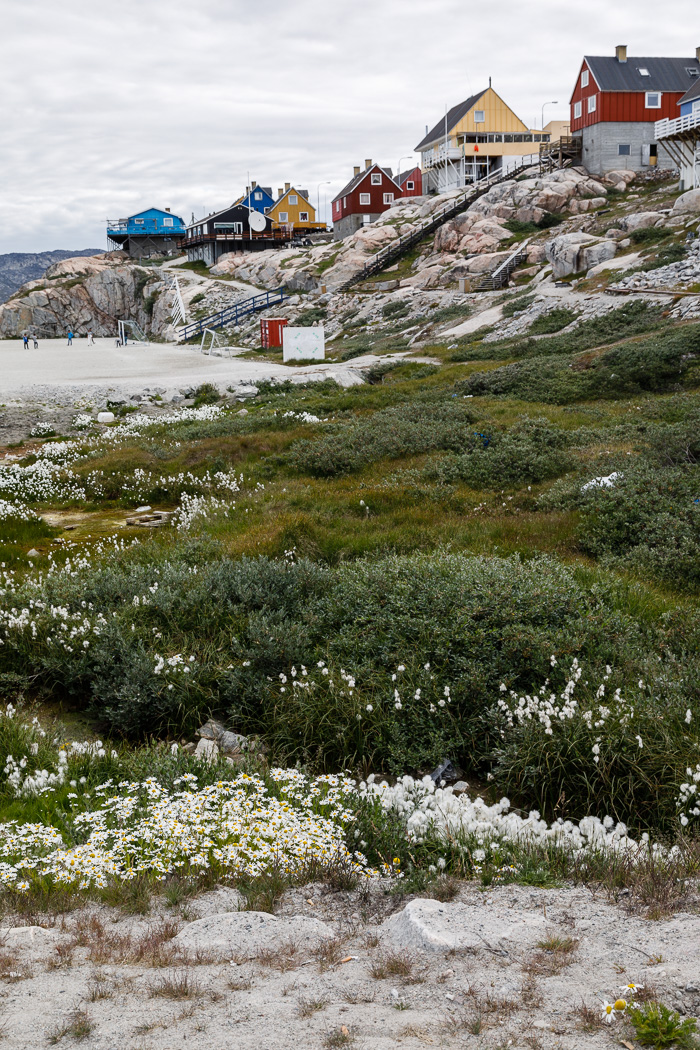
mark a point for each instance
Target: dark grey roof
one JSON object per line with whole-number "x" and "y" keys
{"x": 357, "y": 179}
{"x": 692, "y": 92}
{"x": 404, "y": 175}
{"x": 665, "y": 74}
{"x": 454, "y": 116}
{"x": 304, "y": 194}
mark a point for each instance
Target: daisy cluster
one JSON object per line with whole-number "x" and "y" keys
{"x": 196, "y": 508}
{"x": 303, "y": 417}
{"x": 243, "y": 826}
{"x": 477, "y": 829}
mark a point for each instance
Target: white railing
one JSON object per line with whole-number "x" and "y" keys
{"x": 430, "y": 160}
{"x": 664, "y": 129}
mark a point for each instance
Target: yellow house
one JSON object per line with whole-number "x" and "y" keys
{"x": 475, "y": 138}
{"x": 293, "y": 208}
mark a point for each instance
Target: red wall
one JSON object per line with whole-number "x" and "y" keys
{"x": 353, "y": 206}
{"x": 618, "y": 105}
{"x": 417, "y": 179}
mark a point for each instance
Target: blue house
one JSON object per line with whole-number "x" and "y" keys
{"x": 680, "y": 137}
{"x": 152, "y": 232}
{"x": 258, "y": 199}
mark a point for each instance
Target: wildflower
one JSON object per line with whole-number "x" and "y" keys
{"x": 369, "y": 708}
{"x": 631, "y": 989}
{"x": 608, "y": 1012}
{"x": 688, "y": 716}
{"x": 620, "y": 1005}
{"x": 639, "y": 740}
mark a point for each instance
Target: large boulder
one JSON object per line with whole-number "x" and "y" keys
{"x": 640, "y": 220}
{"x": 573, "y": 252}
{"x": 246, "y": 934}
{"x": 434, "y": 926}
{"x": 594, "y": 254}
{"x": 688, "y": 203}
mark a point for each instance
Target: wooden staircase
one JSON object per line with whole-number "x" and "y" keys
{"x": 499, "y": 277}
{"x": 232, "y": 315}
{"x": 398, "y": 248}
{"x": 561, "y": 153}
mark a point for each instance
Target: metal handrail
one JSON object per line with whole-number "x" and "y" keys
{"x": 397, "y": 248}
{"x": 231, "y": 315}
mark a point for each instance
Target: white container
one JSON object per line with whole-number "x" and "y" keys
{"x": 303, "y": 344}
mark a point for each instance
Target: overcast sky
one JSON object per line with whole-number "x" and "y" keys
{"x": 114, "y": 106}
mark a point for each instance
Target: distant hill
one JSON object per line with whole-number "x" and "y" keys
{"x": 16, "y": 268}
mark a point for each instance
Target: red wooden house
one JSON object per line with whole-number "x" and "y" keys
{"x": 617, "y": 100}
{"x": 411, "y": 182}
{"x": 366, "y": 196}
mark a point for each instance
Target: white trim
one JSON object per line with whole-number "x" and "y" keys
{"x": 303, "y": 216}
{"x": 479, "y": 116}
{"x": 376, "y": 178}
{"x": 283, "y": 216}
{"x": 592, "y": 103}
{"x": 585, "y": 77}
{"x": 365, "y": 199}
{"x": 577, "y": 110}
{"x": 388, "y": 198}
{"x": 652, "y": 105}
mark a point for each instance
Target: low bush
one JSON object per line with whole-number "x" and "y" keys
{"x": 531, "y": 451}
{"x": 206, "y": 394}
{"x": 395, "y": 309}
{"x": 517, "y": 304}
{"x": 387, "y": 434}
{"x": 314, "y": 315}
{"x": 650, "y": 235}
{"x": 553, "y": 321}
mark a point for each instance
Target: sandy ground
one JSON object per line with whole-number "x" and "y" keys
{"x": 366, "y": 989}
{"x": 57, "y": 371}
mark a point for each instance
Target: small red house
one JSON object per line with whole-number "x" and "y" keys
{"x": 616, "y": 102}
{"x": 366, "y": 196}
{"x": 411, "y": 182}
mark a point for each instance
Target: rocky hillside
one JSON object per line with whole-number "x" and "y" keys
{"x": 16, "y": 268}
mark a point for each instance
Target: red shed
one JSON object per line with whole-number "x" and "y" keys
{"x": 271, "y": 331}
{"x": 411, "y": 182}
{"x": 616, "y": 102}
{"x": 366, "y": 196}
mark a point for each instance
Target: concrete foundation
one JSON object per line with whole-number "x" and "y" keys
{"x": 351, "y": 223}
{"x": 601, "y": 148}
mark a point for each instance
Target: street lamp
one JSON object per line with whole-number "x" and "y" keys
{"x": 398, "y": 166}
{"x": 326, "y": 182}
{"x": 555, "y": 103}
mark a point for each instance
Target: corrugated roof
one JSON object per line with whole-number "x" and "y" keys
{"x": 665, "y": 74}
{"x": 692, "y": 93}
{"x": 357, "y": 179}
{"x": 454, "y": 116}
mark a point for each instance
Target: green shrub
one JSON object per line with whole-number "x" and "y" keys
{"x": 387, "y": 434}
{"x": 657, "y": 1026}
{"x": 531, "y": 451}
{"x": 516, "y": 304}
{"x": 206, "y": 394}
{"x": 553, "y": 321}
{"x": 313, "y": 315}
{"x": 395, "y": 309}
{"x": 650, "y": 235}
{"x": 198, "y": 298}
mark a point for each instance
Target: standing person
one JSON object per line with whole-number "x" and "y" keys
{"x": 25, "y": 340}
{"x": 36, "y": 342}
{"x": 70, "y": 337}
{"x": 91, "y": 341}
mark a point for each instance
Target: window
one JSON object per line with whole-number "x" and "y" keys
{"x": 696, "y": 105}
{"x": 364, "y": 198}
{"x": 643, "y": 72}
{"x": 303, "y": 216}
{"x": 592, "y": 103}
{"x": 584, "y": 78}
{"x": 345, "y": 202}
{"x": 623, "y": 150}
{"x": 167, "y": 222}
{"x": 653, "y": 100}
{"x": 257, "y": 196}
{"x": 577, "y": 110}
{"x": 692, "y": 71}
{"x": 284, "y": 216}
{"x": 139, "y": 222}
{"x": 293, "y": 199}
{"x": 410, "y": 185}
{"x": 479, "y": 116}
{"x": 388, "y": 198}
{"x": 376, "y": 179}
{"x": 267, "y": 211}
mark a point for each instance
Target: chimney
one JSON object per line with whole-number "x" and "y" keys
{"x": 368, "y": 164}
{"x": 280, "y": 191}
{"x": 621, "y": 52}
{"x": 167, "y": 209}
{"x": 287, "y": 186}
{"x": 697, "y": 53}
{"x": 253, "y": 183}
{"x": 355, "y": 172}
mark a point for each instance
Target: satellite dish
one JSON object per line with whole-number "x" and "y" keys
{"x": 257, "y": 221}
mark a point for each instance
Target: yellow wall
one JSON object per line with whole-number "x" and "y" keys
{"x": 498, "y": 118}
{"x": 293, "y": 210}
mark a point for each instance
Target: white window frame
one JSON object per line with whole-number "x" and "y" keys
{"x": 365, "y": 199}
{"x": 376, "y": 178}
{"x": 479, "y": 116}
{"x": 168, "y": 222}
{"x": 696, "y": 106}
{"x": 584, "y": 78}
{"x": 652, "y": 94}
{"x": 626, "y": 147}
{"x": 592, "y": 103}
{"x": 303, "y": 216}
{"x": 388, "y": 198}
{"x": 577, "y": 110}
{"x": 284, "y": 216}
{"x": 410, "y": 185}
{"x": 257, "y": 196}
{"x": 644, "y": 72}
{"x": 139, "y": 222}
{"x": 293, "y": 199}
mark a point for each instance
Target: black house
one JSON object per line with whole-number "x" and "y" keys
{"x": 235, "y": 229}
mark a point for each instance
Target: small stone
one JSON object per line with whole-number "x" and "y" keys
{"x": 105, "y": 417}
{"x": 207, "y": 749}
{"x": 33, "y": 553}
{"x": 142, "y": 510}
{"x": 242, "y": 412}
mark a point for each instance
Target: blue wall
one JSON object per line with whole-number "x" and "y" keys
{"x": 258, "y": 204}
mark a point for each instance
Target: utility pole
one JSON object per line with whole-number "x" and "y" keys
{"x": 555, "y": 103}
{"x": 326, "y": 182}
